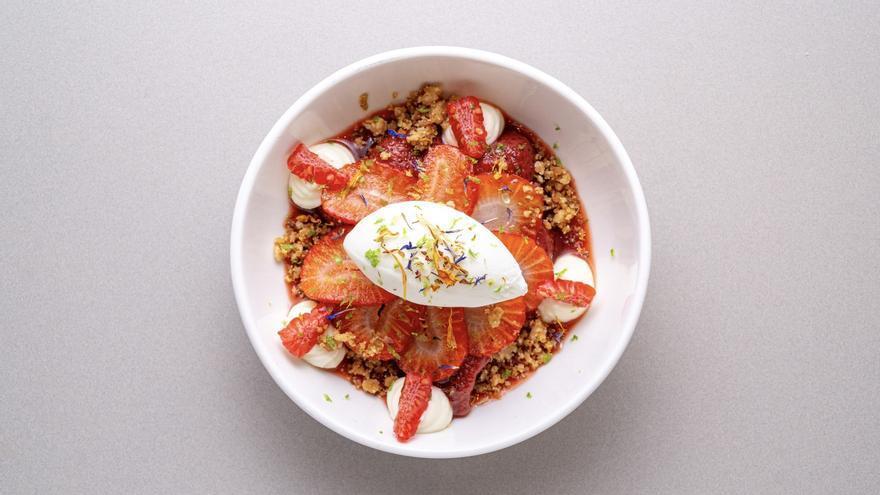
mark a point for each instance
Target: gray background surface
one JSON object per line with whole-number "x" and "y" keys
{"x": 125, "y": 133}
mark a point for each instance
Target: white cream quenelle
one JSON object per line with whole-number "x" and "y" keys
{"x": 493, "y": 121}
{"x": 566, "y": 267}
{"x": 306, "y": 194}
{"x": 317, "y": 356}
{"x": 436, "y": 417}
{"x": 434, "y": 255}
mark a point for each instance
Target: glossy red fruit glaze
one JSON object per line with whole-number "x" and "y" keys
{"x": 515, "y": 150}
{"x": 395, "y": 151}
{"x": 460, "y": 386}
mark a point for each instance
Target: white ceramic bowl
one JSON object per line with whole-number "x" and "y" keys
{"x": 607, "y": 185}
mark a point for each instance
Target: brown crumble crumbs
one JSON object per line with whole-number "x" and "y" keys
{"x": 371, "y": 376}
{"x": 376, "y": 125}
{"x": 516, "y": 361}
{"x": 417, "y": 118}
{"x": 420, "y": 115}
{"x": 300, "y": 233}
{"x": 560, "y": 198}
{"x": 363, "y": 101}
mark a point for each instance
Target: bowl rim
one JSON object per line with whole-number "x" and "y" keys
{"x": 644, "y": 256}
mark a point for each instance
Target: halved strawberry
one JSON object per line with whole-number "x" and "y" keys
{"x": 567, "y": 291}
{"x": 466, "y": 119}
{"x": 492, "y": 328}
{"x": 507, "y": 204}
{"x": 328, "y": 275}
{"x": 381, "y": 332}
{"x": 462, "y": 383}
{"x": 414, "y": 400}
{"x": 444, "y": 179}
{"x": 301, "y": 334}
{"x": 512, "y": 153}
{"x": 536, "y": 266}
{"x": 439, "y": 346}
{"x": 371, "y": 186}
{"x": 309, "y": 166}
{"x": 395, "y": 151}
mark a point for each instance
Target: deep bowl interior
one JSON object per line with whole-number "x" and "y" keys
{"x": 608, "y": 188}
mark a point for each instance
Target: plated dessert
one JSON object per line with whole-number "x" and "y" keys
{"x": 436, "y": 254}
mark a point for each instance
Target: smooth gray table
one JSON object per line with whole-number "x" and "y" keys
{"x": 126, "y": 130}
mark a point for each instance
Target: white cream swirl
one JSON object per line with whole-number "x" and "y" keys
{"x": 317, "y": 356}
{"x": 436, "y": 417}
{"x": 493, "y": 121}
{"x": 306, "y": 194}
{"x": 566, "y": 267}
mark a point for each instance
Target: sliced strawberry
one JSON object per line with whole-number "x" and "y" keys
{"x": 381, "y": 332}
{"x": 567, "y": 291}
{"x": 301, "y": 334}
{"x": 371, "y": 186}
{"x": 444, "y": 179}
{"x": 492, "y": 328}
{"x": 545, "y": 239}
{"x": 462, "y": 384}
{"x": 507, "y": 204}
{"x": 395, "y": 151}
{"x": 414, "y": 400}
{"x": 466, "y": 119}
{"x": 439, "y": 347}
{"x": 309, "y": 166}
{"x": 328, "y": 275}
{"x": 512, "y": 153}
{"x": 536, "y": 266}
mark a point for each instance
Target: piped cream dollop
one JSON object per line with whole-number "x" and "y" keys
{"x": 307, "y": 194}
{"x": 317, "y": 356}
{"x": 436, "y": 417}
{"x": 493, "y": 121}
{"x": 566, "y": 267}
{"x": 434, "y": 255}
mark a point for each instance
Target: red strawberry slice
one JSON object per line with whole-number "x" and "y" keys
{"x": 444, "y": 179}
{"x": 328, "y": 275}
{"x": 466, "y": 119}
{"x": 567, "y": 291}
{"x": 492, "y": 328}
{"x": 395, "y": 151}
{"x": 371, "y": 186}
{"x": 512, "y": 153}
{"x": 545, "y": 239}
{"x": 507, "y": 204}
{"x": 301, "y": 334}
{"x": 536, "y": 266}
{"x": 462, "y": 384}
{"x": 309, "y": 166}
{"x": 439, "y": 347}
{"x": 414, "y": 400}
{"x": 381, "y": 332}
